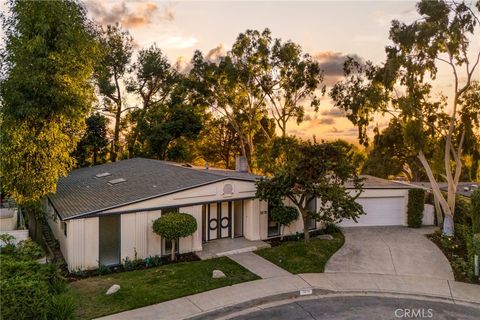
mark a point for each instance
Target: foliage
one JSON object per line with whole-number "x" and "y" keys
{"x": 94, "y": 142}
{"x": 416, "y": 203}
{"x": 401, "y": 87}
{"x": 465, "y": 235}
{"x": 62, "y": 307}
{"x": 284, "y": 215}
{"x": 463, "y": 211}
{"x": 48, "y": 60}
{"x": 110, "y": 75}
{"x": 29, "y": 289}
{"x": 296, "y": 257}
{"x": 132, "y": 264}
{"x": 29, "y": 249}
{"x": 475, "y": 201}
{"x": 103, "y": 269}
{"x": 476, "y": 243}
{"x": 7, "y": 238}
{"x": 149, "y": 286}
{"x": 175, "y": 225}
{"x": 319, "y": 170}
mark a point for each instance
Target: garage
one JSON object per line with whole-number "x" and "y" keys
{"x": 380, "y": 212}
{"x": 384, "y": 202}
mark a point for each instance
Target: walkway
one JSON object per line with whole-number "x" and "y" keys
{"x": 216, "y": 303}
{"x": 228, "y": 246}
{"x": 391, "y": 251}
{"x": 258, "y": 265}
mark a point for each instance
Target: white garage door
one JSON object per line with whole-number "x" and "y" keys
{"x": 379, "y": 212}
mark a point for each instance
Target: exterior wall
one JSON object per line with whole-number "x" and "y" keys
{"x": 252, "y": 219}
{"x": 82, "y": 244}
{"x": 8, "y": 219}
{"x": 137, "y": 237}
{"x": 139, "y": 241}
{"x": 208, "y": 193}
{"x": 56, "y": 226}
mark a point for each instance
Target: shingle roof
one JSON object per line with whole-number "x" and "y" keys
{"x": 463, "y": 188}
{"x": 81, "y": 192}
{"x": 371, "y": 182}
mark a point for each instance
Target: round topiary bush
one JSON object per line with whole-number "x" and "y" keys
{"x": 175, "y": 225}
{"x": 416, "y": 204}
{"x": 284, "y": 215}
{"x": 476, "y": 211}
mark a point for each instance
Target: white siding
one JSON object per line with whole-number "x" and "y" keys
{"x": 82, "y": 244}
{"x": 194, "y": 242}
{"x": 209, "y": 193}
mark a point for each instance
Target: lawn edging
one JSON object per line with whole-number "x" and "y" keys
{"x": 297, "y": 257}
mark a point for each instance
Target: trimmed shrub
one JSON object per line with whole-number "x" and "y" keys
{"x": 465, "y": 235}
{"x": 173, "y": 225}
{"x": 284, "y": 215}
{"x": 475, "y": 200}
{"x": 416, "y": 204}
{"x": 476, "y": 243}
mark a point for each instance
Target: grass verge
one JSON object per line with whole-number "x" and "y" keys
{"x": 296, "y": 257}
{"x": 145, "y": 287}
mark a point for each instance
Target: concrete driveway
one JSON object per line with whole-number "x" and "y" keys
{"x": 392, "y": 251}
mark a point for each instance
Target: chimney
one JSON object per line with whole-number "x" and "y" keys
{"x": 241, "y": 164}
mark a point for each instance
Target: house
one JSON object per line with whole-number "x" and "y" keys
{"x": 464, "y": 189}
{"x": 103, "y": 214}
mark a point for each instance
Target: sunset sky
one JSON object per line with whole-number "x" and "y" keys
{"x": 328, "y": 31}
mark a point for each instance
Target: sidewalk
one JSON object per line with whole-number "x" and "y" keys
{"x": 258, "y": 265}
{"x": 251, "y": 293}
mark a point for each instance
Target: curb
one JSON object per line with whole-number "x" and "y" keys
{"x": 316, "y": 293}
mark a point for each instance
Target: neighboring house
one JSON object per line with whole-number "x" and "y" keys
{"x": 104, "y": 214}
{"x": 463, "y": 188}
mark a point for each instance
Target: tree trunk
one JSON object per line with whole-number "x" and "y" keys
{"x": 438, "y": 210}
{"x": 173, "y": 250}
{"x": 306, "y": 232}
{"x": 282, "y": 232}
{"x": 116, "y": 134}
{"x": 448, "y": 225}
{"x": 95, "y": 154}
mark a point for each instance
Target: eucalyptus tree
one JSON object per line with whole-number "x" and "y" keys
{"x": 46, "y": 94}
{"x": 402, "y": 86}
{"x": 153, "y": 81}
{"x": 293, "y": 80}
{"x": 110, "y": 75}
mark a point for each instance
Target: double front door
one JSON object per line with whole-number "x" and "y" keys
{"x": 222, "y": 220}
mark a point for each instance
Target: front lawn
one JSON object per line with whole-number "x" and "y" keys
{"x": 296, "y": 257}
{"x": 145, "y": 287}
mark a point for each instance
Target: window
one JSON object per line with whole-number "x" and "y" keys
{"x": 273, "y": 226}
{"x": 312, "y": 206}
{"x": 64, "y": 227}
{"x": 167, "y": 247}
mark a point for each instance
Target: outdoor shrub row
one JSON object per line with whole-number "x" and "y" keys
{"x": 476, "y": 211}
{"x": 31, "y": 290}
{"x": 416, "y": 203}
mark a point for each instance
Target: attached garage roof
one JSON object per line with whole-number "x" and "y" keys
{"x": 97, "y": 188}
{"x": 371, "y": 182}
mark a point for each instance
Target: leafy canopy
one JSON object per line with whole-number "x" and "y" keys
{"x": 175, "y": 225}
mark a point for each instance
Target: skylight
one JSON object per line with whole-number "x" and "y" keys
{"x": 116, "y": 181}
{"x": 103, "y": 174}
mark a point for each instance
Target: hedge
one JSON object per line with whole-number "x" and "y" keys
{"x": 416, "y": 203}
{"x": 175, "y": 225}
{"x": 476, "y": 211}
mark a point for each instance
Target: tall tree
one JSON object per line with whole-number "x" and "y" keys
{"x": 45, "y": 94}
{"x": 219, "y": 143}
{"x": 315, "y": 171}
{"x": 153, "y": 81}
{"x": 232, "y": 89}
{"x": 110, "y": 75}
{"x": 94, "y": 142}
{"x": 401, "y": 87}
{"x": 294, "y": 79}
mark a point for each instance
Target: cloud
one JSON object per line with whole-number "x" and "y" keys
{"x": 329, "y": 121}
{"x": 332, "y": 64}
{"x": 129, "y": 15}
{"x": 334, "y": 113}
{"x": 183, "y": 65}
{"x": 176, "y": 42}
{"x": 216, "y": 53}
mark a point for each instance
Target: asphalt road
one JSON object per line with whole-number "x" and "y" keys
{"x": 368, "y": 308}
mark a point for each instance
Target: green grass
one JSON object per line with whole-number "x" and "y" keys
{"x": 296, "y": 257}
{"x": 145, "y": 287}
